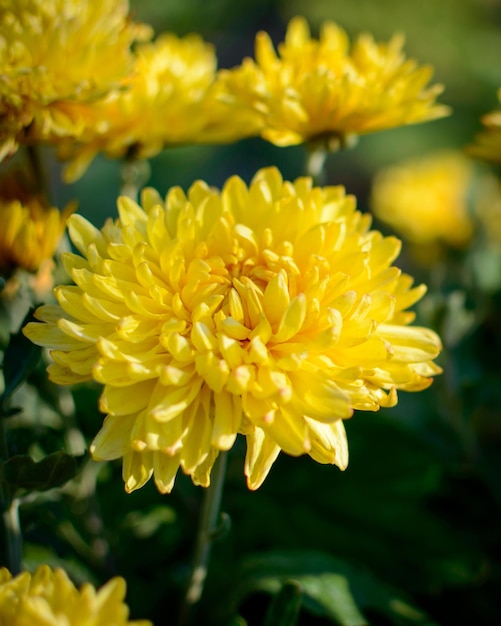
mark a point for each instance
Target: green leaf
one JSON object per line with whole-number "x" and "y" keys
{"x": 331, "y": 587}
{"x": 35, "y": 555}
{"x": 22, "y": 472}
{"x": 334, "y": 598}
{"x": 20, "y": 358}
{"x": 284, "y": 609}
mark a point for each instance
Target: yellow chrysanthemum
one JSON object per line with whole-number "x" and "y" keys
{"x": 169, "y": 102}
{"x": 31, "y": 229}
{"x": 427, "y": 200}
{"x": 319, "y": 90}
{"x": 49, "y": 598}
{"x": 270, "y": 311}
{"x": 487, "y": 144}
{"x": 55, "y": 57}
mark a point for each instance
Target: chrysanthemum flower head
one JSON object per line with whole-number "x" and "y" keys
{"x": 169, "y": 102}
{"x": 321, "y": 91}
{"x": 270, "y": 311}
{"x": 31, "y": 229}
{"x": 487, "y": 145}
{"x": 49, "y": 598}
{"x": 427, "y": 200}
{"x": 54, "y": 58}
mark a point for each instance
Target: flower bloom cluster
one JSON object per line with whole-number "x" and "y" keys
{"x": 487, "y": 144}
{"x": 55, "y": 57}
{"x": 270, "y": 311}
{"x": 49, "y": 598}
{"x": 169, "y": 101}
{"x": 320, "y": 90}
{"x": 31, "y": 229}
{"x": 105, "y": 97}
{"x": 427, "y": 200}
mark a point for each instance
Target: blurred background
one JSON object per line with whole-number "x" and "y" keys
{"x": 410, "y": 533}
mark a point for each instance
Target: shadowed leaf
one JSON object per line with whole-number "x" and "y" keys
{"x": 22, "y": 472}
{"x": 331, "y": 588}
{"x": 284, "y": 609}
{"x": 20, "y": 358}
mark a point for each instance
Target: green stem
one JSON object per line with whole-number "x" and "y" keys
{"x": 134, "y": 175}
{"x": 74, "y": 441}
{"x": 13, "y": 536}
{"x": 318, "y": 150}
{"x": 206, "y": 531}
{"x": 37, "y": 169}
{"x": 96, "y": 548}
{"x": 4, "y": 448}
{"x": 13, "y": 540}
{"x": 315, "y": 164}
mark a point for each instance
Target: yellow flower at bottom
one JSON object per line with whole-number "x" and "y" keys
{"x": 270, "y": 311}
{"x": 49, "y": 598}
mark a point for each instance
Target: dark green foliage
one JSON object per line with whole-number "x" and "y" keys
{"x": 285, "y": 607}
{"x": 22, "y": 472}
{"x": 331, "y": 587}
{"x": 20, "y": 358}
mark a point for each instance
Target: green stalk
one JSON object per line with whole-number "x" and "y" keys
{"x": 37, "y": 169}
{"x": 13, "y": 536}
{"x": 315, "y": 163}
{"x": 13, "y": 540}
{"x": 134, "y": 175}
{"x": 207, "y": 529}
{"x": 319, "y": 148}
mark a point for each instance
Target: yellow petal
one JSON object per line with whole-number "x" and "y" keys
{"x": 227, "y": 418}
{"x": 113, "y": 440}
{"x": 262, "y": 451}
{"x": 137, "y": 469}
{"x": 165, "y": 468}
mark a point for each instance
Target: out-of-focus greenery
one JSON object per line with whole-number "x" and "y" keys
{"x": 410, "y": 533}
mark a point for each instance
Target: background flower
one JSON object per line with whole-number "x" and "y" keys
{"x": 271, "y": 311}
{"x": 30, "y": 235}
{"x": 321, "y": 90}
{"x": 49, "y": 598}
{"x": 487, "y": 144}
{"x": 170, "y": 101}
{"x": 428, "y": 200}
{"x": 54, "y": 58}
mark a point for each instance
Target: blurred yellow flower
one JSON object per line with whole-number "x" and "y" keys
{"x": 487, "y": 144}
{"x": 49, "y": 598}
{"x": 31, "y": 229}
{"x": 320, "y": 91}
{"x": 270, "y": 311}
{"x": 55, "y": 57}
{"x": 427, "y": 200}
{"x": 169, "y": 102}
